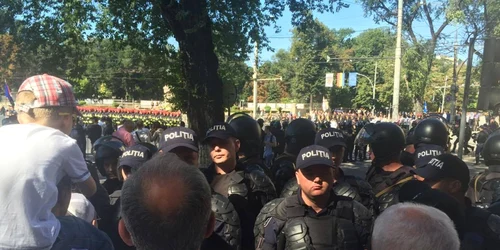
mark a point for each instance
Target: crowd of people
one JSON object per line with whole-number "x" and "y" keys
{"x": 281, "y": 186}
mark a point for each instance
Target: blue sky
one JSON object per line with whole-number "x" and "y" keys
{"x": 352, "y": 17}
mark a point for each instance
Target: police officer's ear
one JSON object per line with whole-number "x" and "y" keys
{"x": 297, "y": 176}
{"x": 237, "y": 144}
{"x": 210, "y": 226}
{"x": 455, "y": 186}
{"x": 124, "y": 233}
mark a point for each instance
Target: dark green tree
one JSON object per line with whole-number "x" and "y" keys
{"x": 203, "y": 30}
{"x": 273, "y": 92}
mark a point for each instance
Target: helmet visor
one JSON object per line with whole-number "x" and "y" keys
{"x": 365, "y": 135}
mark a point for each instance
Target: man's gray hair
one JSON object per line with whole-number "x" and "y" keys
{"x": 181, "y": 226}
{"x": 410, "y": 226}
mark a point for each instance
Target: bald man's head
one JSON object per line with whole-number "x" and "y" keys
{"x": 166, "y": 205}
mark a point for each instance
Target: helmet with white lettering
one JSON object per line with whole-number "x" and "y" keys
{"x": 491, "y": 150}
{"x": 384, "y": 138}
{"x": 248, "y": 132}
{"x": 431, "y": 131}
{"x": 299, "y": 134}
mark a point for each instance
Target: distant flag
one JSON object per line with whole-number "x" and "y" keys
{"x": 329, "y": 80}
{"x": 425, "y": 108}
{"x": 353, "y": 79}
{"x": 7, "y": 94}
{"x": 340, "y": 79}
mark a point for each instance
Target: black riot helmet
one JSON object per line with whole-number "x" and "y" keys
{"x": 248, "y": 132}
{"x": 491, "y": 150}
{"x": 300, "y": 133}
{"x": 107, "y": 148}
{"x": 385, "y": 139}
{"x": 431, "y": 131}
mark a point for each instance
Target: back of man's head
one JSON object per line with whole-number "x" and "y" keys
{"x": 139, "y": 124}
{"x": 408, "y": 226}
{"x": 128, "y": 125}
{"x": 166, "y": 204}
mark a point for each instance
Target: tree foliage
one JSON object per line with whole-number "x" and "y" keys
{"x": 421, "y": 51}
{"x": 8, "y": 55}
{"x": 212, "y": 38}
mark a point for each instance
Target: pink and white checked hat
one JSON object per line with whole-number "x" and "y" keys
{"x": 49, "y": 91}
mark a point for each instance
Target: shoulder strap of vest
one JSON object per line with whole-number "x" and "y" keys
{"x": 389, "y": 188}
{"x": 293, "y": 208}
{"x": 344, "y": 209}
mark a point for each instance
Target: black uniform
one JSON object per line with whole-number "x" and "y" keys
{"x": 227, "y": 225}
{"x": 359, "y": 151}
{"x": 349, "y": 186}
{"x": 248, "y": 190}
{"x": 386, "y": 186}
{"x": 300, "y": 133}
{"x": 287, "y": 223}
{"x": 482, "y": 228}
{"x": 485, "y": 187}
{"x": 480, "y": 139}
{"x": 283, "y": 171}
{"x": 386, "y": 140}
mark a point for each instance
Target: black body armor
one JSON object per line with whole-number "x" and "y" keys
{"x": 227, "y": 221}
{"x": 283, "y": 170}
{"x": 351, "y": 186}
{"x": 386, "y": 186}
{"x": 485, "y": 188}
{"x": 248, "y": 192}
{"x": 286, "y": 223}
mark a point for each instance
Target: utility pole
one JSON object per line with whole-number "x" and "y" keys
{"x": 444, "y": 93}
{"x": 255, "y": 83}
{"x": 454, "y": 88}
{"x": 463, "y": 120}
{"x": 374, "y": 83}
{"x": 397, "y": 64}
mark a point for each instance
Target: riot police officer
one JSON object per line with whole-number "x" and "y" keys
{"x": 315, "y": 218}
{"x": 249, "y": 133}
{"x": 386, "y": 173}
{"x": 480, "y": 139}
{"x": 248, "y": 189}
{"x": 450, "y": 174}
{"x": 184, "y": 143}
{"x": 108, "y": 150}
{"x": 280, "y": 138}
{"x": 345, "y": 185}
{"x": 430, "y": 139}
{"x": 299, "y": 134}
{"x": 359, "y": 152}
{"x": 130, "y": 161}
{"x": 485, "y": 187}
